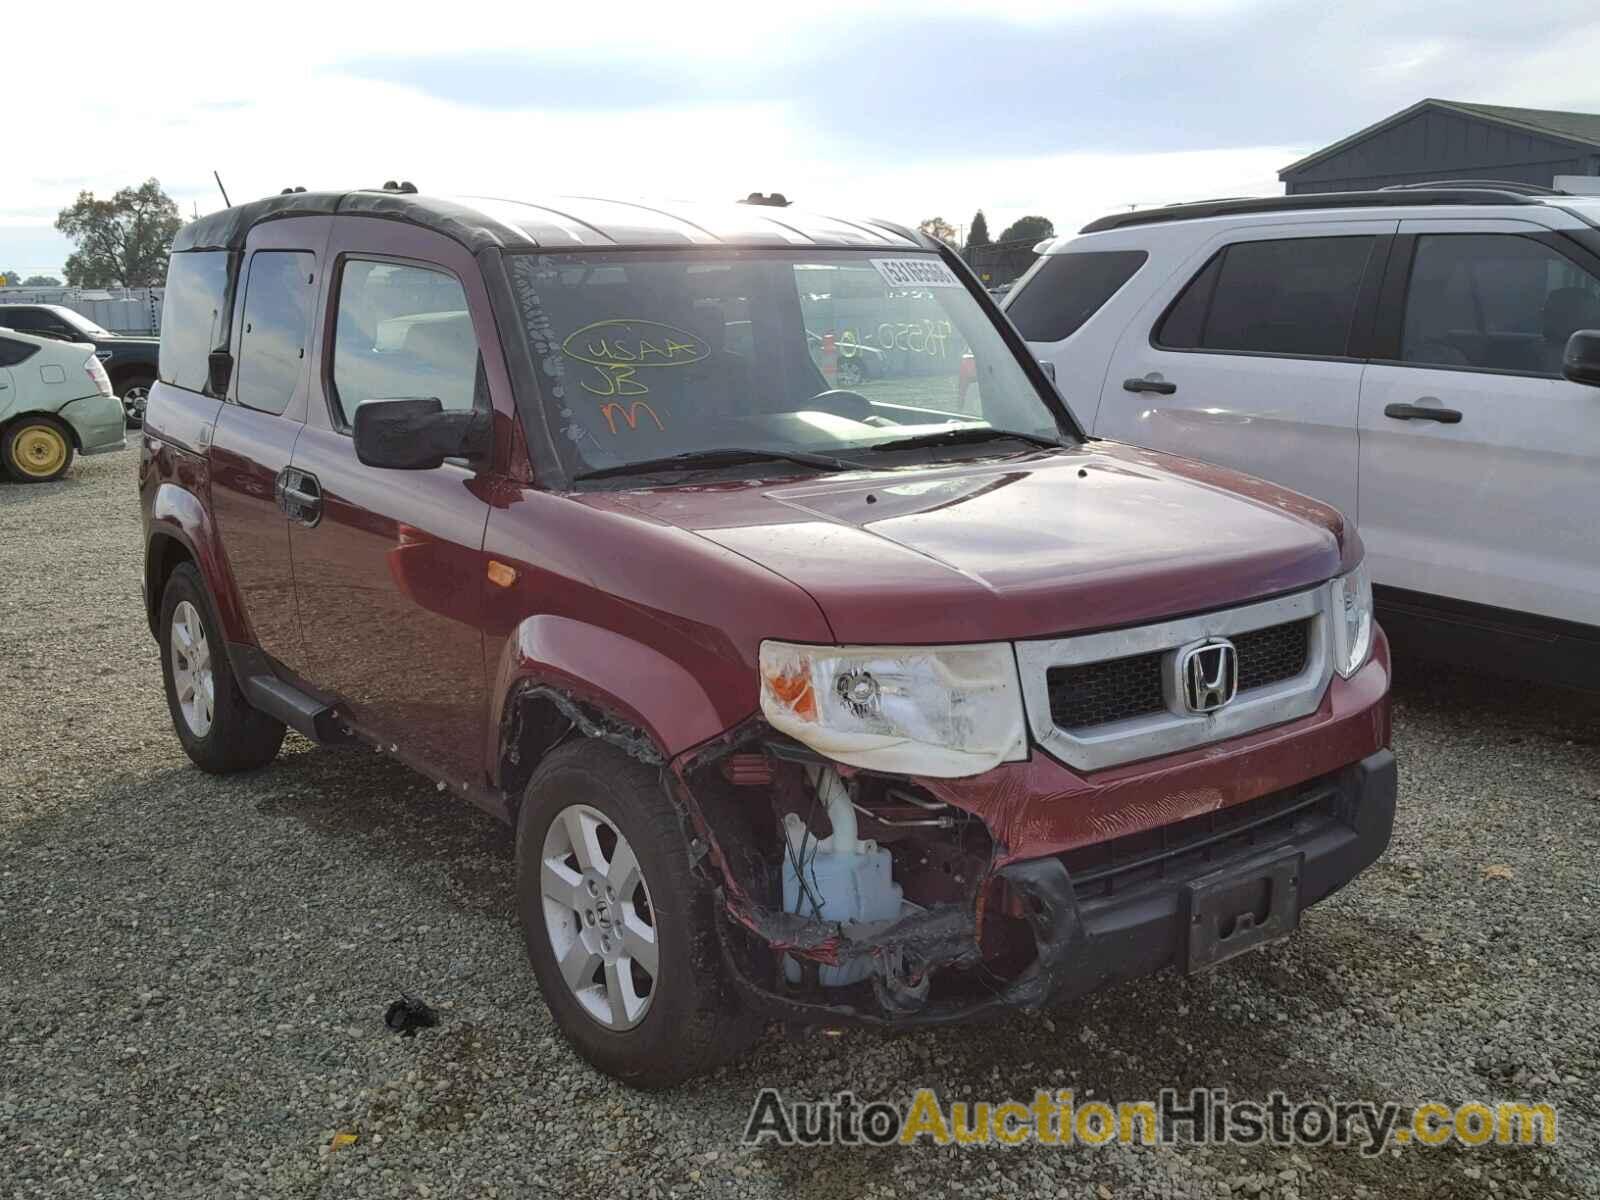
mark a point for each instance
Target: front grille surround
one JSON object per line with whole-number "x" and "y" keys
{"x": 1117, "y": 689}
{"x": 1271, "y": 691}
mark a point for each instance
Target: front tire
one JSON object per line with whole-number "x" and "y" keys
{"x": 619, "y": 929}
{"x": 219, "y": 729}
{"x": 36, "y": 449}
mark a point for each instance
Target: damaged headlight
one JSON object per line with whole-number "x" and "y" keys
{"x": 945, "y": 711}
{"x": 1352, "y": 621}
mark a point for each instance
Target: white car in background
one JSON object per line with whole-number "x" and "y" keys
{"x": 1426, "y": 359}
{"x": 55, "y": 401}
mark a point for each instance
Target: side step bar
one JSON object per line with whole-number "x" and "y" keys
{"x": 294, "y": 708}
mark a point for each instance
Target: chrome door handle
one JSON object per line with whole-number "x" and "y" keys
{"x": 299, "y": 495}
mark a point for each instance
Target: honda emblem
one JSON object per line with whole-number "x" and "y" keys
{"x": 1208, "y": 674}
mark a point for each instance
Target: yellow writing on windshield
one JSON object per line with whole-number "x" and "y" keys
{"x": 619, "y": 347}
{"x": 644, "y": 343}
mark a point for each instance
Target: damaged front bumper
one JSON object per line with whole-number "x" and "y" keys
{"x": 1195, "y": 893}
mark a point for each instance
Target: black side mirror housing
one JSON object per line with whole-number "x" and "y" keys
{"x": 418, "y": 435}
{"x": 1581, "y": 362}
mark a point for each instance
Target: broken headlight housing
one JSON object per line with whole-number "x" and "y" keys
{"x": 1352, "y": 621}
{"x": 944, "y": 711}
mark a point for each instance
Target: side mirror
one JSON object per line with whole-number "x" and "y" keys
{"x": 418, "y": 435}
{"x": 1581, "y": 362}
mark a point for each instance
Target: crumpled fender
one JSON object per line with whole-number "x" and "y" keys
{"x": 176, "y": 512}
{"x": 609, "y": 673}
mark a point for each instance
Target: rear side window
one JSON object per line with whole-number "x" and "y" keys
{"x": 278, "y": 299}
{"x": 1295, "y": 296}
{"x": 1068, "y": 289}
{"x": 13, "y": 352}
{"x": 402, "y": 332}
{"x": 193, "y": 317}
{"x": 24, "y": 319}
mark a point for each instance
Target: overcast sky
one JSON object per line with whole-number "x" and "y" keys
{"x": 900, "y": 110}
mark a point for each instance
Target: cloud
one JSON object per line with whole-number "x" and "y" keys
{"x": 890, "y": 87}
{"x": 904, "y": 108}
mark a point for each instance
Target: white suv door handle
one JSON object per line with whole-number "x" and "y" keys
{"x": 1420, "y": 412}
{"x": 1160, "y": 386}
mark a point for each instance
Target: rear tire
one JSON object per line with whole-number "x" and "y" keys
{"x": 687, "y": 1021}
{"x": 36, "y": 449}
{"x": 219, "y": 729}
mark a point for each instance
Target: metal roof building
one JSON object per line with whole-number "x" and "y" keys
{"x": 1446, "y": 139}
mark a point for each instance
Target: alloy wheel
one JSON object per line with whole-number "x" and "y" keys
{"x": 599, "y": 918}
{"x": 134, "y": 401}
{"x": 192, "y": 677}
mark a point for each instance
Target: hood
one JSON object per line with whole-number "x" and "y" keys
{"x": 1096, "y": 537}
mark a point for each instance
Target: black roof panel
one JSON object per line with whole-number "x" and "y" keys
{"x": 480, "y": 223}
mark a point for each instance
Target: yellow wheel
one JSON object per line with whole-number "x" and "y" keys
{"x": 37, "y": 449}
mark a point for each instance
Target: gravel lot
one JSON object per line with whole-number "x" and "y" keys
{"x": 195, "y": 970}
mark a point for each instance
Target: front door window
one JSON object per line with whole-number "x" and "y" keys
{"x": 402, "y": 333}
{"x": 1494, "y": 302}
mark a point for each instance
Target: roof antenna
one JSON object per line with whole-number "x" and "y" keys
{"x": 220, "y": 188}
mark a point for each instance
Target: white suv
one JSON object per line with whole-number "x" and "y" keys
{"x": 1408, "y": 356}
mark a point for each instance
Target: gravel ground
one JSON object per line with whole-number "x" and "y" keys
{"x": 195, "y": 970}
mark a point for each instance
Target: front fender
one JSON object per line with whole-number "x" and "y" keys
{"x": 177, "y": 513}
{"x": 609, "y": 673}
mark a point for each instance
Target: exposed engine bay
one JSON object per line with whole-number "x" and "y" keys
{"x": 855, "y": 895}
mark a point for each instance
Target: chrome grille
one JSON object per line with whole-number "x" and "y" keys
{"x": 1099, "y": 699}
{"x": 1098, "y": 693}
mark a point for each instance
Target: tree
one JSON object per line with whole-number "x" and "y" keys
{"x": 121, "y": 241}
{"x": 41, "y": 281}
{"x": 978, "y": 233}
{"x": 939, "y": 230}
{"x": 1028, "y": 229}
{"x": 10, "y": 278}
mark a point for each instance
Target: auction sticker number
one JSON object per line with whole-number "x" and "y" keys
{"x": 915, "y": 272}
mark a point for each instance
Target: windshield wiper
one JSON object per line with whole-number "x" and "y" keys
{"x": 967, "y": 435}
{"x": 725, "y": 456}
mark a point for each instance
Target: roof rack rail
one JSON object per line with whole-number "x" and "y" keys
{"x": 1520, "y": 189}
{"x": 1498, "y": 194}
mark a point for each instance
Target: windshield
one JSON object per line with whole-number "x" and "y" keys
{"x": 82, "y": 323}
{"x": 651, "y": 354}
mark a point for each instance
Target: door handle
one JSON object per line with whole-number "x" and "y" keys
{"x": 299, "y": 495}
{"x": 1159, "y": 386}
{"x": 1419, "y": 412}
